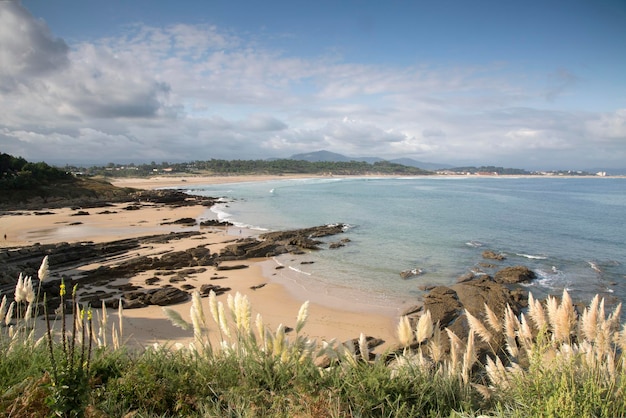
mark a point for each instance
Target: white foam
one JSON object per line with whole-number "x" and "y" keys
{"x": 297, "y": 270}
{"x": 532, "y": 257}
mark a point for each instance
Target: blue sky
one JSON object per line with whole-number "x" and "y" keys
{"x": 533, "y": 84}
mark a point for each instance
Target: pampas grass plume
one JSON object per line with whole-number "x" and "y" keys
{"x": 213, "y": 307}
{"x": 242, "y": 312}
{"x": 303, "y": 315}
{"x": 279, "y": 340}
{"x": 9, "y": 316}
{"x": 19, "y": 289}
{"x": 222, "y": 318}
{"x": 120, "y": 317}
{"x": 176, "y": 319}
{"x": 405, "y": 333}
{"x": 3, "y": 308}
{"x": 469, "y": 358}
{"x": 435, "y": 345}
{"x": 492, "y": 319}
{"x": 364, "y": 347}
{"x": 478, "y": 327}
{"x": 43, "y": 271}
{"x": 424, "y": 328}
{"x": 565, "y": 318}
{"x": 456, "y": 348}
{"x": 589, "y": 319}
{"x": 537, "y": 313}
{"x": 29, "y": 292}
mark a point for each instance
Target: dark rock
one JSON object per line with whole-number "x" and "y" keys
{"x": 205, "y": 289}
{"x": 372, "y": 342}
{"x": 412, "y": 310}
{"x": 235, "y": 267}
{"x": 181, "y": 221}
{"x": 466, "y": 277}
{"x": 407, "y": 274}
{"x": 443, "y": 304}
{"x": 515, "y": 274}
{"x": 215, "y": 222}
{"x": 258, "y": 286}
{"x": 168, "y": 296}
{"x": 488, "y": 254}
{"x": 152, "y": 280}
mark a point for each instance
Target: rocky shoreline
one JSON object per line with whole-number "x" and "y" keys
{"x": 118, "y": 262}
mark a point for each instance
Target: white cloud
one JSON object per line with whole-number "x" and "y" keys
{"x": 609, "y": 126}
{"x": 187, "y": 92}
{"x": 28, "y": 49}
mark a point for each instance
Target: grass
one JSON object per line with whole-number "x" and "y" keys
{"x": 550, "y": 361}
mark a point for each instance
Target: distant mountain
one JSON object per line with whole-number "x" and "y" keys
{"x": 317, "y": 156}
{"x": 419, "y": 164}
{"x": 334, "y": 157}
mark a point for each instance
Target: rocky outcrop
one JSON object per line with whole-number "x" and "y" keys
{"x": 275, "y": 243}
{"x": 491, "y": 255}
{"x": 448, "y": 304}
{"x": 172, "y": 198}
{"x": 214, "y": 222}
{"x": 515, "y": 274}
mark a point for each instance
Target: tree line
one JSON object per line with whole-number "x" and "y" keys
{"x": 17, "y": 173}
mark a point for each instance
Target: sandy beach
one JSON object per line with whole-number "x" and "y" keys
{"x": 145, "y": 326}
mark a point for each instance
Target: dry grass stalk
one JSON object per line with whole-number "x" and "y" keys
{"x": 435, "y": 345}
{"x": 525, "y": 333}
{"x": 511, "y": 324}
{"x": 469, "y": 358}
{"x": 456, "y": 350}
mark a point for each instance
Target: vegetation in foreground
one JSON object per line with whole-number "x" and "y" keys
{"x": 547, "y": 362}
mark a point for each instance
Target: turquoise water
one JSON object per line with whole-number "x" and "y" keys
{"x": 570, "y": 231}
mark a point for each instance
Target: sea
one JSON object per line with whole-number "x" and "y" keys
{"x": 570, "y": 231}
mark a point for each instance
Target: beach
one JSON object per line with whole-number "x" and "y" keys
{"x": 146, "y": 326}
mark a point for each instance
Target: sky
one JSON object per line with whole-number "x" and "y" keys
{"x": 535, "y": 84}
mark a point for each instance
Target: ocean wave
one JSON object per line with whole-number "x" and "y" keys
{"x": 532, "y": 257}
{"x": 297, "y": 270}
{"x": 474, "y": 243}
{"x": 594, "y": 266}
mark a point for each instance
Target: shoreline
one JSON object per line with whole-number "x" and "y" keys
{"x": 276, "y": 303}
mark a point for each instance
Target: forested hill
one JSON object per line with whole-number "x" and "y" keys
{"x": 26, "y": 185}
{"x": 217, "y": 167}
